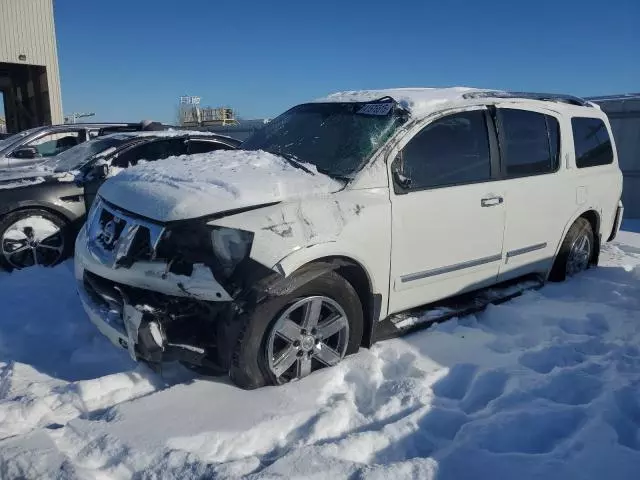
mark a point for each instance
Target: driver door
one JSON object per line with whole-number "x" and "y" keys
{"x": 448, "y": 213}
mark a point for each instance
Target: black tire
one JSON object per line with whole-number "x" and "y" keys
{"x": 580, "y": 227}
{"x": 249, "y": 366}
{"x": 65, "y": 232}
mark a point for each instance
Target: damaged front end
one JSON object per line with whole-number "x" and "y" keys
{"x": 166, "y": 292}
{"x": 156, "y": 327}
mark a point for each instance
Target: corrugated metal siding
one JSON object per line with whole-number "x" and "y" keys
{"x": 27, "y": 28}
{"x": 624, "y": 115}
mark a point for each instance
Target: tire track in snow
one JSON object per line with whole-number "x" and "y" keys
{"x": 544, "y": 385}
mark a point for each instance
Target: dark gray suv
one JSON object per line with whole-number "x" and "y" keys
{"x": 43, "y": 206}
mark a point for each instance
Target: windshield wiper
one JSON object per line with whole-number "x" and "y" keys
{"x": 336, "y": 176}
{"x": 292, "y": 160}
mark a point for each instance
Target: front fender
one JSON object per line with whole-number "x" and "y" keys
{"x": 352, "y": 224}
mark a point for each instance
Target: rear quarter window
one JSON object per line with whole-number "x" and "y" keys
{"x": 591, "y": 142}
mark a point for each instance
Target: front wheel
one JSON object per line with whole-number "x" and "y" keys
{"x": 289, "y": 337}
{"x": 575, "y": 252}
{"x": 33, "y": 237}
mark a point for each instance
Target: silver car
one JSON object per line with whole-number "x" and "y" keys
{"x": 35, "y": 145}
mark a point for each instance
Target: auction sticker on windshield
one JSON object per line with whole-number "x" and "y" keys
{"x": 375, "y": 109}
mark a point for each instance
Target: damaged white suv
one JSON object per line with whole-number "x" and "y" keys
{"x": 279, "y": 259}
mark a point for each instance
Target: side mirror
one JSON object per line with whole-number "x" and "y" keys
{"x": 26, "y": 153}
{"x": 400, "y": 180}
{"x": 100, "y": 172}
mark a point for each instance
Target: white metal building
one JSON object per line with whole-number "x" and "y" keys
{"x": 29, "y": 75}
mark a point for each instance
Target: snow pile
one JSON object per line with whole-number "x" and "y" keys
{"x": 196, "y": 185}
{"x": 419, "y": 101}
{"x": 544, "y": 386}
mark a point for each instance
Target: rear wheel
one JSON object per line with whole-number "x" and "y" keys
{"x": 32, "y": 237}
{"x": 575, "y": 252}
{"x": 289, "y": 337}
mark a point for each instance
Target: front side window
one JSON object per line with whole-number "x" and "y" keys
{"x": 337, "y": 138}
{"x": 55, "y": 143}
{"x": 591, "y": 142}
{"x": 529, "y": 142}
{"x": 204, "y": 146}
{"x": 75, "y": 158}
{"x": 450, "y": 151}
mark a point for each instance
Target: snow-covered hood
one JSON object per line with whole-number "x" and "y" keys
{"x": 192, "y": 186}
{"x": 22, "y": 173}
{"x": 31, "y": 175}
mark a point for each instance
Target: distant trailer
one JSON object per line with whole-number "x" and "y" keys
{"x": 624, "y": 114}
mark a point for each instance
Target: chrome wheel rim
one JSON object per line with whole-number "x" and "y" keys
{"x": 32, "y": 241}
{"x": 579, "y": 255}
{"x": 310, "y": 334}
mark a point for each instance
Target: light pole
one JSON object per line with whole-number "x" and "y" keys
{"x": 75, "y": 116}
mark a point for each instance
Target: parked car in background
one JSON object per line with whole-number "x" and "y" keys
{"x": 38, "y": 144}
{"x": 279, "y": 259}
{"x": 43, "y": 206}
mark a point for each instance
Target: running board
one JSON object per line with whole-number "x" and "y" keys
{"x": 458, "y": 306}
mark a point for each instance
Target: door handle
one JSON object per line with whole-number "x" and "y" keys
{"x": 491, "y": 201}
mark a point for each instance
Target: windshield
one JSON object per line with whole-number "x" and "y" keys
{"x": 338, "y": 138}
{"x": 78, "y": 156}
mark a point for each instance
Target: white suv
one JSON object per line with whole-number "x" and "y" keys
{"x": 281, "y": 258}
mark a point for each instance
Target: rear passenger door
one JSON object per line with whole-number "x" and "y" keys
{"x": 539, "y": 195}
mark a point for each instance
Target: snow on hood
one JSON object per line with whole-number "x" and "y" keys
{"x": 31, "y": 175}
{"x": 418, "y": 101}
{"x": 193, "y": 186}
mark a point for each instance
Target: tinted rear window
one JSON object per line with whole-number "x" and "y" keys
{"x": 591, "y": 142}
{"x": 529, "y": 142}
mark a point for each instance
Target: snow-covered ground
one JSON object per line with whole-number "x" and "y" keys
{"x": 544, "y": 386}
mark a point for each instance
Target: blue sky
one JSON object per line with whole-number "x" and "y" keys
{"x": 128, "y": 60}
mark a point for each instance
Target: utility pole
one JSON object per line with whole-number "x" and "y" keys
{"x": 73, "y": 118}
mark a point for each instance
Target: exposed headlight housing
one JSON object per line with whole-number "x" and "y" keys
{"x": 97, "y": 202}
{"x": 230, "y": 246}
{"x": 220, "y": 248}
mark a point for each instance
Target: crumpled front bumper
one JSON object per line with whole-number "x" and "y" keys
{"x": 133, "y": 327}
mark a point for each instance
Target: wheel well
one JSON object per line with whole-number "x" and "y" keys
{"x": 594, "y": 220}
{"x": 357, "y": 276}
{"x": 50, "y": 210}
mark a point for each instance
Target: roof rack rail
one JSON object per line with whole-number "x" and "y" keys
{"x": 547, "y": 97}
{"x": 621, "y": 96}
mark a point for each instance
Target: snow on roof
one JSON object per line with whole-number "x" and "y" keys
{"x": 419, "y": 101}
{"x": 167, "y": 133}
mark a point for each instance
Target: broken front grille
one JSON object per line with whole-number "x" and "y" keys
{"x": 118, "y": 239}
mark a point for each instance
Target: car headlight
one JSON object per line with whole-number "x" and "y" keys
{"x": 230, "y": 246}
{"x": 91, "y": 221}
